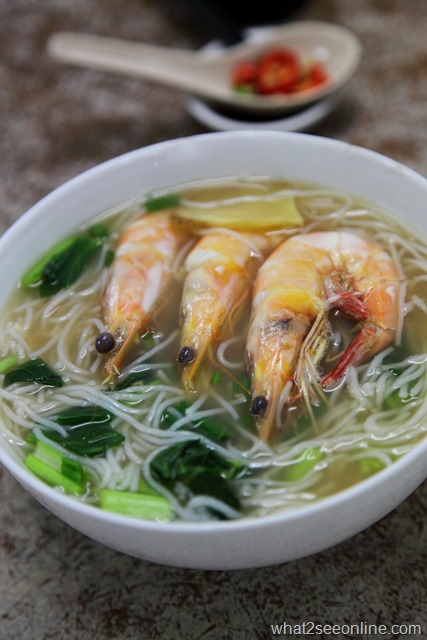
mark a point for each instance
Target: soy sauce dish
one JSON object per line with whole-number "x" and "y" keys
{"x": 243, "y": 436}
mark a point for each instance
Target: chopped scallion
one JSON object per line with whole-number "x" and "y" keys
{"x": 138, "y": 505}
{"x": 308, "y": 459}
{"x": 51, "y": 466}
{"x": 370, "y": 465}
{"x": 7, "y": 363}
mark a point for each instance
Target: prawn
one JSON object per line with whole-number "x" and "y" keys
{"x": 220, "y": 270}
{"x": 141, "y": 271}
{"x": 296, "y": 286}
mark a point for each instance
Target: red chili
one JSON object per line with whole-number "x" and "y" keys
{"x": 314, "y": 76}
{"x": 245, "y": 75}
{"x": 317, "y": 73}
{"x": 278, "y": 70}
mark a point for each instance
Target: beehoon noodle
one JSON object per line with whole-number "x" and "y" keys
{"x": 375, "y": 416}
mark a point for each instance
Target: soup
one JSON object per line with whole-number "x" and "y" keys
{"x": 157, "y": 414}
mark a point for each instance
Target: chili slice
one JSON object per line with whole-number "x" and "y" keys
{"x": 245, "y": 76}
{"x": 278, "y": 70}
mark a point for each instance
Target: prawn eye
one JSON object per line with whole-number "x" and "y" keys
{"x": 259, "y": 405}
{"x": 186, "y": 355}
{"x": 105, "y": 342}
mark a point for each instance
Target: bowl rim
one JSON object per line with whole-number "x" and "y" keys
{"x": 42, "y": 491}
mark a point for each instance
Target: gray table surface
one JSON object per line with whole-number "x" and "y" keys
{"x": 57, "y": 121}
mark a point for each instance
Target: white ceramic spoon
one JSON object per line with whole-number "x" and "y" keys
{"x": 207, "y": 74}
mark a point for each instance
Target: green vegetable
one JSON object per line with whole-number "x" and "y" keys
{"x": 247, "y": 421}
{"x": 144, "y": 487}
{"x": 182, "y": 459}
{"x": 206, "y": 427}
{"x": 36, "y": 371}
{"x": 307, "y": 461}
{"x": 395, "y": 400}
{"x": 162, "y": 202}
{"x": 88, "y": 431}
{"x": 61, "y": 267}
{"x": 80, "y": 416}
{"x": 173, "y": 413}
{"x": 243, "y": 88}
{"x": 370, "y": 465}
{"x": 87, "y": 440}
{"x": 139, "y": 505}
{"x": 242, "y": 388}
{"x": 216, "y": 377}
{"x": 138, "y": 376}
{"x": 305, "y": 421}
{"x": 209, "y": 483}
{"x": 210, "y": 429}
{"x": 8, "y": 363}
{"x": 109, "y": 258}
{"x": 55, "y": 469}
{"x": 198, "y": 467}
{"x": 34, "y": 276}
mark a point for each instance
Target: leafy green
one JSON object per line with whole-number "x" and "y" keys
{"x": 207, "y": 427}
{"x": 395, "y": 399}
{"x": 35, "y": 370}
{"x": 209, "y": 483}
{"x": 198, "y": 467}
{"x": 210, "y": 429}
{"x": 88, "y": 431}
{"x": 173, "y": 413}
{"x": 124, "y": 382}
{"x": 34, "y": 276}
{"x": 87, "y": 440}
{"x": 216, "y": 377}
{"x": 80, "y": 416}
{"x": 109, "y": 258}
{"x": 182, "y": 459}
{"x": 63, "y": 264}
{"x": 167, "y": 201}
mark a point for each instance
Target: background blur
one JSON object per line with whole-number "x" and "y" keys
{"x": 56, "y": 121}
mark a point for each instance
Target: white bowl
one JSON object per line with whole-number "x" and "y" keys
{"x": 248, "y": 542}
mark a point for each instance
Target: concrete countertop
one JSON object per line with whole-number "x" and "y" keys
{"x": 57, "y": 121}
